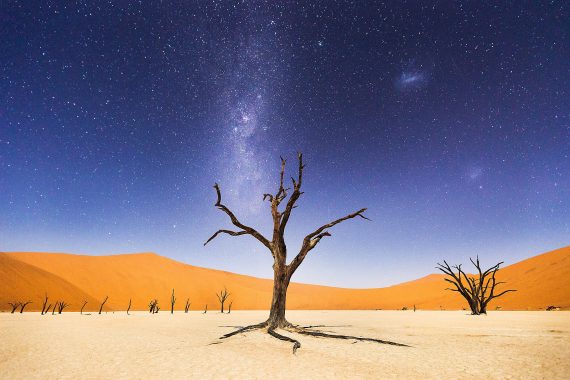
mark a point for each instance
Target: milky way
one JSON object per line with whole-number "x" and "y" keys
{"x": 449, "y": 121}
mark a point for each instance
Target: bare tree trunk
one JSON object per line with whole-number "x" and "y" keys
{"x": 278, "y": 303}
{"x": 129, "y": 308}
{"x": 101, "y": 308}
{"x": 206, "y": 309}
{"x": 230, "y": 307}
{"x": 172, "y": 302}
{"x": 44, "y": 305}
{"x": 23, "y": 305}
{"x": 187, "y": 306}
{"x": 84, "y": 303}
{"x": 14, "y": 306}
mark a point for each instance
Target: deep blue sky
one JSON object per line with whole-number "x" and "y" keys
{"x": 450, "y": 121}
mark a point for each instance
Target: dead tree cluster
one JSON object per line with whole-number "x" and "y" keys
{"x": 60, "y": 306}
{"x": 282, "y": 269}
{"x": 153, "y": 307}
{"x": 479, "y": 289}
{"x": 222, "y": 297}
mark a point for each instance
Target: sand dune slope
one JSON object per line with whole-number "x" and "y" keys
{"x": 540, "y": 281}
{"x": 25, "y": 282}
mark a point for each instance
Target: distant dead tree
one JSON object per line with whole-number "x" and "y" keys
{"x": 129, "y": 307}
{"x": 553, "y": 308}
{"x": 153, "y": 307}
{"x": 187, "y": 306}
{"x": 172, "y": 302}
{"x": 84, "y": 303}
{"x": 60, "y": 306}
{"x": 44, "y": 306}
{"x": 54, "y": 307}
{"x": 478, "y": 290}
{"x": 101, "y": 307}
{"x": 206, "y": 309}
{"x": 14, "y": 306}
{"x": 222, "y": 297}
{"x": 23, "y": 305}
{"x": 282, "y": 272}
{"x": 414, "y": 308}
{"x": 230, "y": 307}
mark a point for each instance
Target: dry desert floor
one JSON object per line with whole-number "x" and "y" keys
{"x": 443, "y": 344}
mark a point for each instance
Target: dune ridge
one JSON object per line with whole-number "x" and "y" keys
{"x": 540, "y": 281}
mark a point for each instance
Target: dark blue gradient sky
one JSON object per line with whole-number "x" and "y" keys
{"x": 450, "y": 121}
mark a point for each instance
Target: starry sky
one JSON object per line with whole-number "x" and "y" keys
{"x": 449, "y": 120}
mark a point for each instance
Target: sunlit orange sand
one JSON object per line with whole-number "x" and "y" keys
{"x": 540, "y": 281}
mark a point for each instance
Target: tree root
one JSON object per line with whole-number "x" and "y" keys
{"x": 245, "y": 329}
{"x": 320, "y": 334}
{"x": 304, "y": 331}
{"x": 296, "y": 343}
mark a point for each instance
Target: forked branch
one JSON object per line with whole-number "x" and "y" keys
{"x": 245, "y": 230}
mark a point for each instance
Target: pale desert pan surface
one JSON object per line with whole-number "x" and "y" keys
{"x": 443, "y": 344}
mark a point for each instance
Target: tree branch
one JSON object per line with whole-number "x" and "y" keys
{"x": 246, "y": 229}
{"x": 229, "y": 232}
{"x": 295, "y": 196}
{"x": 311, "y": 240}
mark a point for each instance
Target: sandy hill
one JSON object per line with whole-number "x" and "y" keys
{"x": 540, "y": 281}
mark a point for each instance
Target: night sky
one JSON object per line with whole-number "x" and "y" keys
{"x": 450, "y": 121}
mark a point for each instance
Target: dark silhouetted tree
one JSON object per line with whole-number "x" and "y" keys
{"x": 479, "y": 289}
{"x": 102, "y": 304}
{"x": 23, "y": 305}
{"x": 172, "y": 302}
{"x": 230, "y": 307}
{"x": 206, "y": 309}
{"x": 187, "y": 306}
{"x": 129, "y": 307}
{"x": 14, "y": 306}
{"x": 222, "y": 297}
{"x": 282, "y": 271}
{"x": 44, "y": 306}
{"x": 153, "y": 306}
{"x": 61, "y": 306}
{"x": 84, "y": 303}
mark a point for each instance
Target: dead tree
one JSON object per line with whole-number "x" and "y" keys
{"x": 172, "y": 302}
{"x": 84, "y": 303}
{"x": 187, "y": 306}
{"x": 101, "y": 307}
{"x": 479, "y": 289}
{"x": 47, "y": 309}
{"x": 54, "y": 307}
{"x": 283, "y": 271}
{"x": 60, "y": 306}
{"x": 23, "y": 305}
{"x": 206, "y": 309}
{"x": 222, "y": 297}
{"x": 153, "y": 306}
{"x": 230, "y": 307}
{"x": 129, "y": 307}
{"x": 44, "y": 310}
{"x": 14, "y": 306}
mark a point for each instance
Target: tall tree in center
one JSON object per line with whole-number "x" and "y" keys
{"x": 282, "y": 270}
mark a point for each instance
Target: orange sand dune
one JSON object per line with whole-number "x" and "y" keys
{"x": 540, "y": 281}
